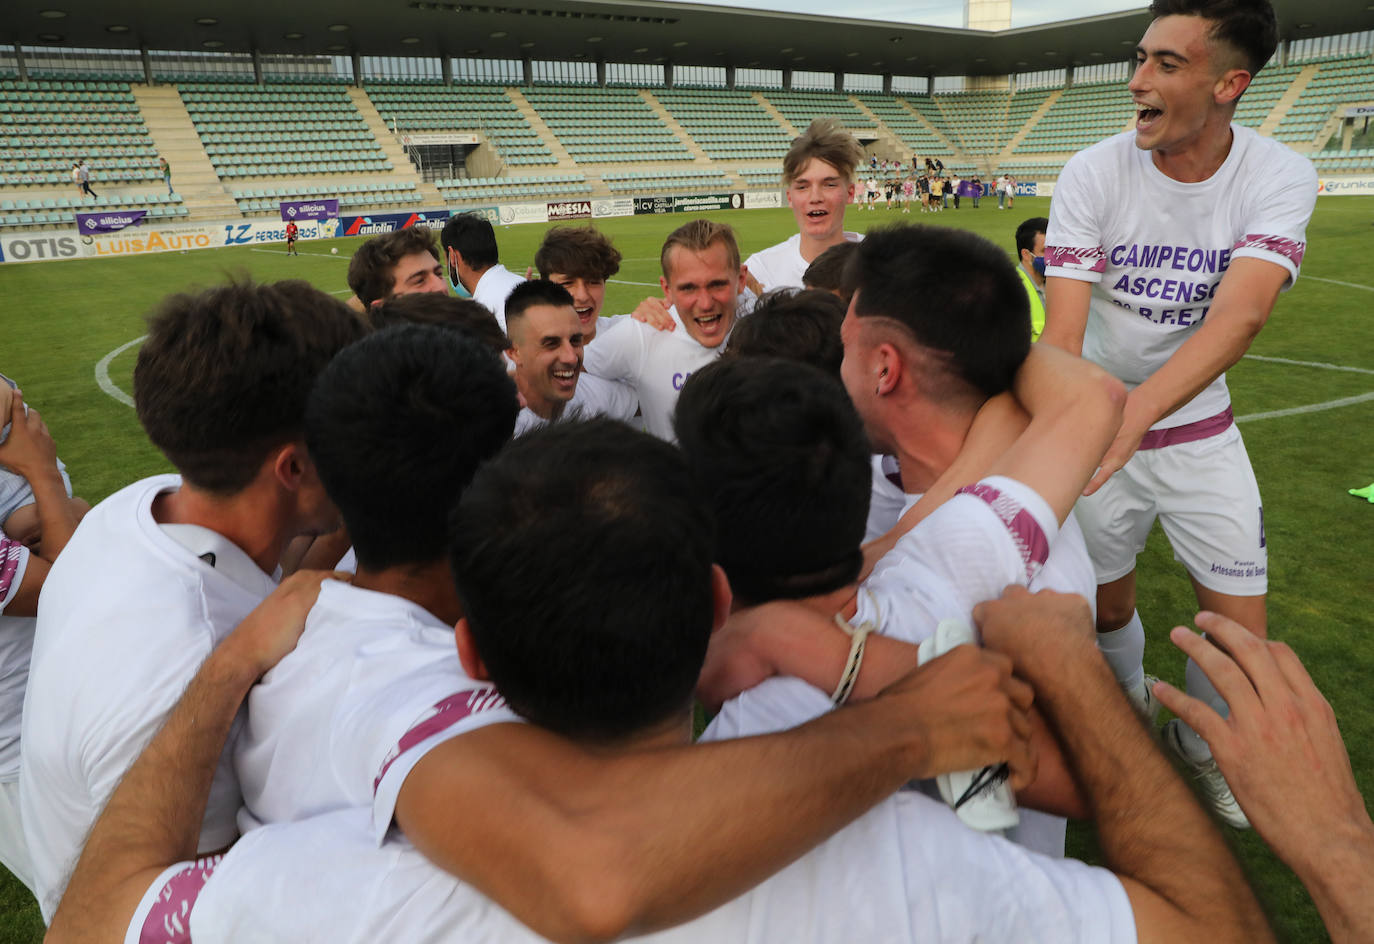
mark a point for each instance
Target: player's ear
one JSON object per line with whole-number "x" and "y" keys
{"x": 1230, "y": 86}
{"x": 663, "y": 284}
{"x": 743, "y": 278}
{"x": 289, "y": 464}
{"x": 467, "y": 652}
{"x": 721, "y": 597}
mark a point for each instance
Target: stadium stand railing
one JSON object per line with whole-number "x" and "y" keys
{"x": 487, "y": 189}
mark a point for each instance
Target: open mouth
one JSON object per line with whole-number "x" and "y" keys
{"x": 708, "y": 321}
{"x": 564, "y": 377}
{"x": 1145, "y": 115}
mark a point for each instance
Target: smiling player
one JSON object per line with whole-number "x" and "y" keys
{"x": 702, "y": 281}
{"x": 1166, "y": 251}
{"x": 819, "y": 173}
{"x": 547, "y": 339}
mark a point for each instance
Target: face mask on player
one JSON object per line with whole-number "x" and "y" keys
{"x": 453, "y": 282}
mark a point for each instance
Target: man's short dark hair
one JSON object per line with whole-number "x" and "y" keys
{"x": 533, "y": 292}
{"x": 780, "y": 451}
{"x": 444, "y": 311}
{"x": 582, "y": 556}
{"x": 223, "y": 376}
{"x": 578, "y": 252}
{"x": 397, "y": 425}
{"x": 826, "y": 271}
{"x": 1027, "y": 231}
{"x": 955, "y": 294}
{"x": 799, "y": 326}
{"x": 1248, "y": 26}
{"x": 474, "y": 239}
{"x": 372, "y": 270}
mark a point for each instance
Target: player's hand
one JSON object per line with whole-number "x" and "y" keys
{"x": 654, "y": 312}
{"x": 735, "y": 662}
{"x": 1135, "y": 423}
{"x": 29, "y": 450}
{"x": 529, "y": 273}
{"x": 1036, "y": 630}
{"x": 973, "y": 713}
{"x": 752, "y": 283}
{"x": 268, "y": 633}
{"x": 1280, "y": 749}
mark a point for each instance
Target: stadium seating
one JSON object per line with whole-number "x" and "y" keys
{"x": 267, "y": 200}
{"x": 45, "y": 127}
{"x": 676, "y": 180}
{"x": 605, "y": 125}
{"x": 1083, "y": 115}
{"x": 801, "y": 108}
{"x": 281, "y": 129}
{"x": 62, "y": 210}
{"x": 978, "y": 121}
{"x": 1264, "y": 93}
{"x": 430, "y": 107}
{"x": 897, "y": 116}
{"x": 1337, "y": 82}
{"x": 727, "y": 124}
{"x": 487, "y": 189}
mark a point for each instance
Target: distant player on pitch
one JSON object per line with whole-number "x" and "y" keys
{"x": 291, "y": 232}
{"x": 1166, "y": 251}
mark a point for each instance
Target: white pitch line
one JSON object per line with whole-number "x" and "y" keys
{"x": 1310, "y": 408}
{"x": 1367, "y": 288}
{"x": 102, "y": 373}
{"x": 283, "y": 252}
{"x": 1320, "y": 365}
{"x": 623, "y": 282}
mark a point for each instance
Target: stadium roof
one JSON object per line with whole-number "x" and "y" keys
{"x": 609, "y": 30}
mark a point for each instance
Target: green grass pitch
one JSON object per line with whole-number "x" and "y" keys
{"x": 61, "y": 319}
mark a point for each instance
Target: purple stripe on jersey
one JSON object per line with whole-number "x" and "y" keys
{"x": 1188, "y": 432}
{"x": 169, "y": 920}
{"x": 1069, "y": 257}
{"x": 443, "y": 715}
{"x": 11, "y": 553}
{"x": 1282, "y": 245}
{"x": 1025, "y": 531}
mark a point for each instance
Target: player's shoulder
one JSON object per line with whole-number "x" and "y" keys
{"x": 1273, "y": 159}
{"x": 1106, "y": 155}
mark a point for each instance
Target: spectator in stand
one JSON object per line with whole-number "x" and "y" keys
{"x": 165, "y": 170}
{"x": 83, "y": 177}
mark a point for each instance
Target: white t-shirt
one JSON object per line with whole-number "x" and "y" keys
{"x": 782, "y": 265}
{"x": 326, "y": 726}
{"x": 654, "y": 363}
{"x": 493, "y": 287}
{"x": 16, "y": 642}
{"x": 1156, "y": 249}
{"x": 887, "y": 502}
{"x": 907, "y": 871}
{"x": 126, "y": 617}
{"x": 593, "y": 397}
{"x": 966, "y": 551}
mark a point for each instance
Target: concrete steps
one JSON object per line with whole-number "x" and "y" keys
{"x": 193, "y": 175}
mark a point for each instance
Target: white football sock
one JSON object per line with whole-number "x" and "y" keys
{"x": 1200, "y": 687}
{"x": 1124, "y": 650}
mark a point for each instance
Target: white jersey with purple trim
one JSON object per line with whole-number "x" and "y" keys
{"x": 654, "y": 363}
{"x": 16, "y": 643}
{"x": 968, "y": 550}
{"x": 1156, "y": 249}
{"x": 887, "y": 502}
{"x": 593, "y": 397}
{"x": 907, "y": 871}
{"x": 127, "y": 615}
{"x": 994, "y": 533}
{"x": 325, "y": 726}
{"x": 782, "y": 265}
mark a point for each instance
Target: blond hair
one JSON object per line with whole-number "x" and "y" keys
{"x": 698, "y": 236}
{"x": 823, "y": 140}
